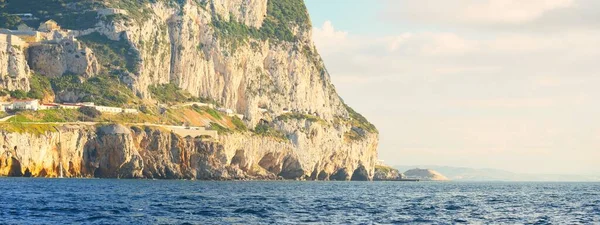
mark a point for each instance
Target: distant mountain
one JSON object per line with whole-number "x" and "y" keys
{"x": 425, "y": 174}
{"x": 487, "y": 174}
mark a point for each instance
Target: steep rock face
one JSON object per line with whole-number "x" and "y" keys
{"x": 249, "y": 12}
{"x": 66, "y": 56}
{"x": 14, "y": 71}
{"x": 181, "y": 45}
{"x": 115, "y": 151}
{"x": 237, "y": 53}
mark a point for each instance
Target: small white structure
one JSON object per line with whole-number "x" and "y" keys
{"x": 30, "y": 104}
{"x": 69, "y": 106}
{"x": 229, "y": 112}
{"x": 109, "y": 109}
{"x": 35, "y": 105}
{"x": 25, "y": 16}
{"x": 133, "y": 111}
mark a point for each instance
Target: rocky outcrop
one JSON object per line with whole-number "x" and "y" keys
{"x": 116, "y": 151}
{"x": 425, "y": 174}
{"x": 386, "y": 173}
{"x": 249, "y": 12}
{"x": 14, "y": 71}
{"x": 54, "y": 59}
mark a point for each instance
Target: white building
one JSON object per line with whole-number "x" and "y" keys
{"x": 134, "y": 111}
{"x": 69, "y": 106}
{"x": 108, "y": 109}
{"x": 26, "y": 104}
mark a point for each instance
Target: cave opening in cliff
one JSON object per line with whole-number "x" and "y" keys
{"x": 15, "y": 168}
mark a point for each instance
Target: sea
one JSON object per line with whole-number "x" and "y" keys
{"x": 113, "y": 201}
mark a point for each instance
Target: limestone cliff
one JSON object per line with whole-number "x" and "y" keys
{"x": 54, "y": 59}
{"x": 14, "y": 71}
{"x": 255, "y": 57}
{"x": 115, "y": 151}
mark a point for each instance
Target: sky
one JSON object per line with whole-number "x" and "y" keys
{"x": 505, "y": 84}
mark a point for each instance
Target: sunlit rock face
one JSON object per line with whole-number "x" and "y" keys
{"x": 249, "y": 56}
{"x": 14, "y": 71}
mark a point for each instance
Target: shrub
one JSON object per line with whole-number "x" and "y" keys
{"x": 102, "y": 90}
{"x": 238, "y": 123}
{"x": 39, "y": 87}
{"x": 299, "y": 116}
{"x": 220, "y": 129}
{"x": 264, "y": 129}
{"x": 168, "y": 93}
{"x": 18, "y": 94}
{"x": 112, "y": 53}
{"x": 90, "y": 112}
{"x": 358, "y": 120}
{"x": 213, "y": 113}
{"x": 70, "y": 14}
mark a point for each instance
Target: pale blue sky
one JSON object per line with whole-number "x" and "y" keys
{"x": 478, "y": 83}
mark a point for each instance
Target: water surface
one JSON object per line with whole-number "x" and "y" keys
{"x": 99, "y": 201}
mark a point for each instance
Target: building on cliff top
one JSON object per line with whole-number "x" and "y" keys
{"x": 48, "y": 26}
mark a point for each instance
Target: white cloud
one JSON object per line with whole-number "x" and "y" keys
{"x": 328, "y": 38}
{"x": 469, "y": 93}
{"x": 507, "y": 11}
{"x": 474, "y": 12}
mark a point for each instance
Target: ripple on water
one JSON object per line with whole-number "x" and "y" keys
{"x": 26, "y": 201}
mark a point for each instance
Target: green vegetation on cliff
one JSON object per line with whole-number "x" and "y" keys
{"x": 282, "y": 17}
{"x": 70, "y": 14}
{"x": 265, "y": 130}
{"x": 112, "y": 54}
{"x": 359, "y": 121}
{"x": 298, "y": 116}
{"x": 40, "y": 87}
{"x": 169, "y": 93}
{"x": 102, "y": 90}
{"x": 20, "y": 128}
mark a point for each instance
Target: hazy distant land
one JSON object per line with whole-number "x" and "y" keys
{"x": 487, "y": 174}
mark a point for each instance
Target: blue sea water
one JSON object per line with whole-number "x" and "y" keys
{"x": 98, "y": 201}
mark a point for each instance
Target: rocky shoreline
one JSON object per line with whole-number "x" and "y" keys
{"x": 117, "y": 151}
